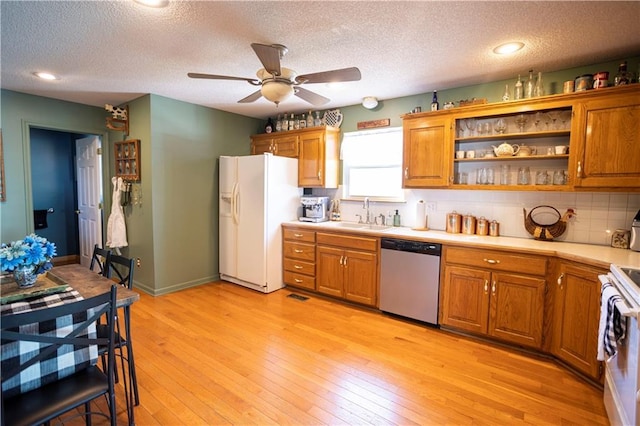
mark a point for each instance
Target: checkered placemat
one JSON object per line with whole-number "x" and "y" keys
{"x": 61, "y": 364}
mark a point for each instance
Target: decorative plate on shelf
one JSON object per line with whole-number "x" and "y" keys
{"x": 332, "y": 118}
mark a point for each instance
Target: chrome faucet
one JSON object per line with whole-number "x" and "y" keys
{"x": 366, "y": 206}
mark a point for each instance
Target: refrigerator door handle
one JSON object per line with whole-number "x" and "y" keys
{"x": 234, "y": 204}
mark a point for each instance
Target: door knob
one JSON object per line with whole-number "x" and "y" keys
{"x": 78, "y": 212}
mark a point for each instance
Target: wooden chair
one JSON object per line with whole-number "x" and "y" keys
{"x": 51, "y": 400}
{"x": 121, "y": 269}
{"x": 100, "y": 259}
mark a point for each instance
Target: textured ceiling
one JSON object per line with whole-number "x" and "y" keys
{"x": 115, "y": 51}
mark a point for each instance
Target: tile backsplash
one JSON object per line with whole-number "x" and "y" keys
{"x": 598, "y": 213}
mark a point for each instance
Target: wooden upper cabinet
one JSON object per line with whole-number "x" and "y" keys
{"x": 285, "y": 145}
{"x": 318, "y": 161}
{"x": 607, "y": 140}
{"x": 427, "y": 151}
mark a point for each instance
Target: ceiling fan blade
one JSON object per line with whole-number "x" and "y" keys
{"x": 344, "y": 74}
{"x": 269, "y": 56}
{"x": 253, "y": 81}
{"x": 309, "y": 96}
{"x": 251, "y": 98}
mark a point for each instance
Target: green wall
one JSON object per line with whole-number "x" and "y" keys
{"x": 174, "y": 228}
{"x": 19, "y": 113}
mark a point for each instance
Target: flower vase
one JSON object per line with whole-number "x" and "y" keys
{"x": 25, "y": 277}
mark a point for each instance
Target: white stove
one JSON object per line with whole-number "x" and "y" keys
{"x": 622, "y": 376}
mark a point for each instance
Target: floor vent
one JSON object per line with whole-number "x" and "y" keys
{"x": 298, "y": 297}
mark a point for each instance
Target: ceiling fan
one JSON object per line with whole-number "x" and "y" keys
{"x": 278, "y": 83}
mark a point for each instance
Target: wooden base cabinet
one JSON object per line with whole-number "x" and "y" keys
{"x": 575, "y": 318}
{"x": 482, "y": 293}
{"x": 299, "y": 258}
{"x": 348, "y": 267}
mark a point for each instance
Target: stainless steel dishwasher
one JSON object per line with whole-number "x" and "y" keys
{"x": 410, "y": 279}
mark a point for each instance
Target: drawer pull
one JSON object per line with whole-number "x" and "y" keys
{"x": 560, "y": 280}
{"x": 297, "y": 235}
{"x": 298, "y": 251}
{"x": 297, "y": 266}
{"x": 491, "y": 261}
{"x": 486, "y": 286}
{"x": 493, "y": 287}
{"x": 297, "y": 280}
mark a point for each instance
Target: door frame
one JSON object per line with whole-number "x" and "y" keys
{"x": 26, "y": 150}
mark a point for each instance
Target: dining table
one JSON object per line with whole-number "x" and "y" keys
{"x": 61, "y": 284}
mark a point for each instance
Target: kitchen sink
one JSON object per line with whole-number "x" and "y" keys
{"x": 355, "y": 225}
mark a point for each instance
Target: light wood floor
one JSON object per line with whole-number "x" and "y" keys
{"x": 223, "y": 354}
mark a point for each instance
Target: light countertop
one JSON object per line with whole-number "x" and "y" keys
{"x": 600, "y": 256}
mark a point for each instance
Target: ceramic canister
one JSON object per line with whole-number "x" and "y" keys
{"x": 584, "y": 82}
{"x": 600, "y": 79}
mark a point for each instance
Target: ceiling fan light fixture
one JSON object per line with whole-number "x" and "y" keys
{"x": 507, "y": 48}
{"x": 276, "y": 91}
{"x": 370, "y": 102}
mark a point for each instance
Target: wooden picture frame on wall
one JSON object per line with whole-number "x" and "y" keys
{"x": 3, "y": 193}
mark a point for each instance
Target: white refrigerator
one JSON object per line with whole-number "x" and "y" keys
{"x": 257, "y": 194}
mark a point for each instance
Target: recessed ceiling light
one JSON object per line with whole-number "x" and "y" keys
{"x": 153, "y": 3}
{"x": 507, "y": 48}
{"x": 45, "y": 75}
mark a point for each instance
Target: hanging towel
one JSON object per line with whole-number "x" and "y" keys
{"x": 613, "y": 326}
{"x": 40, "y": 219}
{"x": 116, "y": 229}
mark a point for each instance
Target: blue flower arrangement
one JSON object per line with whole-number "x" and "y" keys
{"x": 33, "y": 252}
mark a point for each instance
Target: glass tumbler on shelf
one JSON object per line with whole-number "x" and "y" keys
{"x": 471, "y": 125}
{"x": 500, "y": 126}
{"x": 505, "y": 172}
{"x": 524, "y": 176}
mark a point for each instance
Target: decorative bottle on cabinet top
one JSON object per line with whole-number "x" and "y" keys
{"x": 529, "y": 86}
{"x": 310, "y": 119}
{"x": 518, "y": 91}
{"x": 623, "y": 76}
{"x": 434, "y": 102}
{"x": 539, "y": 89}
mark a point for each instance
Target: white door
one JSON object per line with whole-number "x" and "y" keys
{"x": 88, "y": 175}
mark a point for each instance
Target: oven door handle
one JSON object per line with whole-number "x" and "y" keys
{"x": 621, "y": 304}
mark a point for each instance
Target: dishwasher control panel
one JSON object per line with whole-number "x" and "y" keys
{"x": 411, "y": 246}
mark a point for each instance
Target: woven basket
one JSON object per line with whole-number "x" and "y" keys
{"x": 546, "y": 232}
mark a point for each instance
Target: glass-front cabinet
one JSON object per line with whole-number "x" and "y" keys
{"x": 513, "y": 150}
